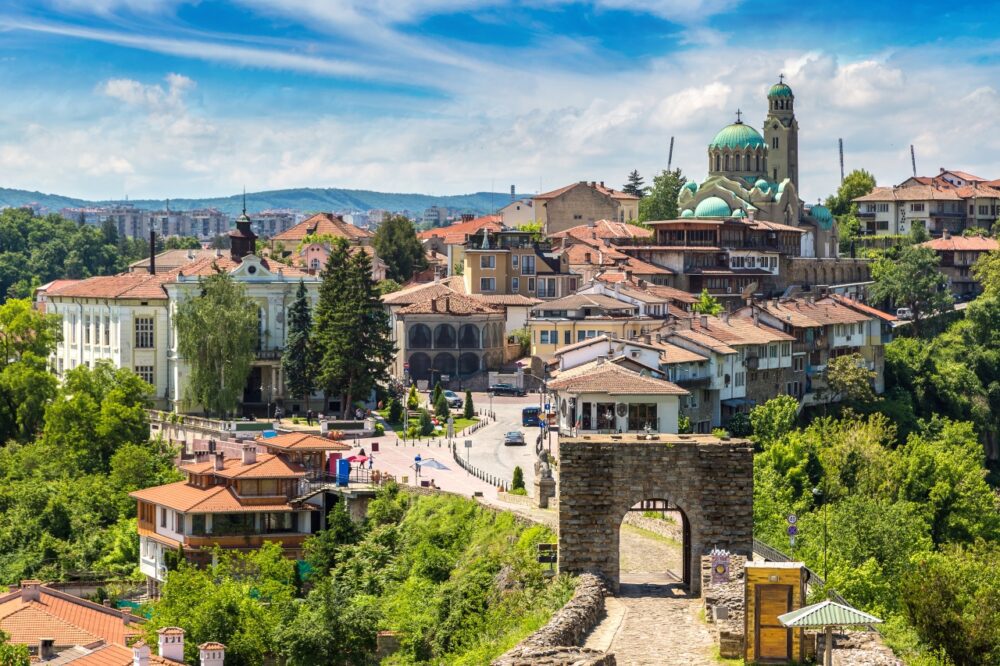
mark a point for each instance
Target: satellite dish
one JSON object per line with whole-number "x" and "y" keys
{"x": 748, "y": 290}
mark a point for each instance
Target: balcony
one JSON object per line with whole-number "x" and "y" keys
{"x": 268, "y": 354}
{"x": 287, "y": 539}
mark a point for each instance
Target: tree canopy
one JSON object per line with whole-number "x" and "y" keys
{"x": 660, "y": 203}
{"x": 856, "y": 184}
{"x": 298, "y": 359}
{"x": 707, "y": 304}
{"x": 635, "y": 185}
{"x": 912, "y": 280}
{"x": 397, "y": 245}
{"x": 217, "y": 333}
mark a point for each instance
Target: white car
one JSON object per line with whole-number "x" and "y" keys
{"x": 904, "y": 314}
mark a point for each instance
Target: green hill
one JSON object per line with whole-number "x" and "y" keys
{"x": 304, "y": 199}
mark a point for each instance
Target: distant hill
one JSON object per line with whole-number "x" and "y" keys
{"x": 304, "y": 199}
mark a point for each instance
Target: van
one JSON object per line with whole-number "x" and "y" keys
{"x": 904, "y": 314}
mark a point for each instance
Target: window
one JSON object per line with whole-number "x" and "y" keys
{"x": 314, "y": 264}
{"x": 163, "y": 517}
{"x": 774, "y": 142}
{"x": 577, "y": 216}
{"x": 917, "y": 207}
{"x": 642, "y": 415}
{"x": 487, "y": 284}
{"x": 984, "y": 210}
{"x": 774, "y": 262}
{"x": 198, "y": 523}
{"x": 107, "y": 331}
{"x": 799, "y": 363}
{"x": 513, "y": 260}
{"x": 567, "y": 337}
{"x": 737, "y": 262}
{"x": 882, "y": 207}
{"x": 550, "y": 338}
{"x": 178, "y": 522}
{"x": 772, "y": 351}
{"x": 515, "y": 285}
{"x": 531, "y": 284}
{"x": 86, "y": 329}
{"x": 751, "y": 262}
{"x": 488, "y": 261}
{"x": 145, "y": 373}
{"x": 741, "y": 378}
{"x": 528, "y": 268}
{"x": 143, "y": 332}
{"x": 786, "y": 348}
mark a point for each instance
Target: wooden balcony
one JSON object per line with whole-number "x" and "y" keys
{"x": 287, "y": 540}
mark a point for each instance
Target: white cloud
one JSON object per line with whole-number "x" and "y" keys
{"x": 864, "y": 84}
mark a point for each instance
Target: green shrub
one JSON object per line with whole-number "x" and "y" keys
{"x": 412, "y": 399}
{"x": 395, "y": 414}
{"x": 379, "y": 429}
{"x": 517, "y": 491}
{"x": 441, "y": 409}
{"x": 468, "y": 411}
{"x": 517, "y": 483}
{"x": 426, "y": 425}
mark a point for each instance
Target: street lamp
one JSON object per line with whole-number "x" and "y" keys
{"x": 818, "y": 494}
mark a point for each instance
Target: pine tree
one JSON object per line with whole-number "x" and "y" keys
{"x": 412, "y": 399}
{"x": 469, "y": 410}
{"x": 298, "y": 361}
{"x": 635, "y": 185}
{"x": 352, "y": 329}
{"x": 517, "y": 482}
{"x": 395, "y": 411}
{"x": 441, "y": 409}
{"x": 426, "y": 425}
{"x": 437, "y": 393}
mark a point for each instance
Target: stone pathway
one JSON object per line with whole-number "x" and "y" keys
{"x": 652, "y": 622}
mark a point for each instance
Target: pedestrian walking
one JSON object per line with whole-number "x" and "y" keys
{"x": 278, "y": 413}
{"x": 309, "y": 417}
{"x": 371, "y": 462}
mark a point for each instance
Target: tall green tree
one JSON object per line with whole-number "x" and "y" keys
{"x": 850, "y": 379}
{"x": 707, "y": 304}
{"x": 217, "y": 333}
{"x": 661, "y": 201}
{"x": 12, "y": 654}
{"x": 856, "y": 184}
{"x": 635, "y": 185}
{"x": 24, "y": 329}
{"x": 912, "y": 280}
{"x": 396, "y": 244}
{"x": 298, "y": 359}
{"x": 353, "y": 342}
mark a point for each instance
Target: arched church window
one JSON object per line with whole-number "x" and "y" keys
{"x": 775, "y": 175}
{"x": 717, "y": 162}
{"x": 774, "y": 142}
{"x": 727, "y": 162}
{"x": 758, "y": 163}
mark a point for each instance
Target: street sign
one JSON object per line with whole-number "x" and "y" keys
{"x": 468, "y": 443}
{"x": 792, "y": 519}
{"x": 792, "y": 530}
{"x": 548, "y": 407}
{"x": 445, "y": 378}
{"x": 406, "y": 366}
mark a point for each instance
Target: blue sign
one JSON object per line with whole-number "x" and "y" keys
{"x": 548, "y": 407}
{"x": 792, "y": 530}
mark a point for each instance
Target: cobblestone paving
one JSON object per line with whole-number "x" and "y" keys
{"x": 653, "y": 622}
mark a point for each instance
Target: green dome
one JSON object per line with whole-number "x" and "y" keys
{"x": 712, "y": 207}
{"x": 822, "y": 215}
{"x": 737, "y": 135}
{"x": 780, "y": 90}
{"x": 691, "y": 185}
{"x": 739, "y": 213}
{"x": 762, "y": 185}
{"x": 687, "y": 212}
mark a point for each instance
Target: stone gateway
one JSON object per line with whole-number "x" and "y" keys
{"x": 602, "y": 477}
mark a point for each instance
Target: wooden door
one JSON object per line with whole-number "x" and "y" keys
{"x": 773, "y": 640}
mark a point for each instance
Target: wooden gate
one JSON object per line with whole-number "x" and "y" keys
{"x": 773, "y": 640}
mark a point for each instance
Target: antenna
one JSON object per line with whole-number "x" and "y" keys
{"x": 244, "y": 199}
{"x": 841, "y": 142}
{"x": 670, "y": 155}
{"x": 913, "y": 160}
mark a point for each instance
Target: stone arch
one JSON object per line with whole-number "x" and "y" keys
{"x": 420, "y": 366}
{"x": 468, "y": 336}
{"x": 444, "y": 336}
{"x": 444, "y": 364}
{"x": 708, "y": 479}
{"x": 418, "y": 336}
{"x": 468, "y": 364}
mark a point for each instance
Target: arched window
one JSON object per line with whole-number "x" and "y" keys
{"x": 420, "y": 366}
{"x": 444, "y": 364}
{"x": 468, "y": 336}
{"x": 419, "y": 337}
{"x": 717, "y": 162}
{"x": 758, "y": 162}
{"x": 468, "y": 364}
{"x": 315, "y": 265}
{"x": 444, "y": 336}
{"x": 727, "y": 162}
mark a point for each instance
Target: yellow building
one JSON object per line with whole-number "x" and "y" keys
{"x": 510, "y": 262}
{"x": 569, "y": 320}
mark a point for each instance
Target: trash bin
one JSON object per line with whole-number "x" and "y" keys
{"x": 343, "y": 472}
{"x": 374, "y": 447}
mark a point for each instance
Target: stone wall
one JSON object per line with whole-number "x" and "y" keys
{"x": 843, "y": 270}
{"x": 602, "y": 477}
{"x": 725, "y": 606}
{"x": 580, "y": 205}
{"x": 556, "y": 643}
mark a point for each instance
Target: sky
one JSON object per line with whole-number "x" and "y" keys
{"x": 172, "y": 98}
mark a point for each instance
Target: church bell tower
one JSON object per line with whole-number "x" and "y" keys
{"x": 781, "y": 132}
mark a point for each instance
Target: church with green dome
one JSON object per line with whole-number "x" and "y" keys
{"x": 755, "y": 175}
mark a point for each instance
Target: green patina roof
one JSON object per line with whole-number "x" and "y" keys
{"x": 822, "y": 215}
{"x": 762, "y": 185}
{"x": 737, "y": 135}
{"x": 780, "y": 90}
{"x": 691, "y": 185}
{"x": 739, "y": 213}
{"x": 687, "y": 212}
{"x": 712, "y": 207}
{"x": 826, "y": 614}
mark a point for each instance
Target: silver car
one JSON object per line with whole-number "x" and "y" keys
{"x": 514, "y": 438}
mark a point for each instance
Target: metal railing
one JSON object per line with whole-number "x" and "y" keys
{"x": 487, "y": 477}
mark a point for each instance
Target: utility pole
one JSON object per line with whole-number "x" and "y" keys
{"x": 841, "y": 142}
{"x": 913, "y": 160}
{"x": 670, "y": 154}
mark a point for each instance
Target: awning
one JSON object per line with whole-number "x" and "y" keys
{"x": 739, "y": 402}
{"x": 826, "y": 614}
{"x": 359, "y": 459}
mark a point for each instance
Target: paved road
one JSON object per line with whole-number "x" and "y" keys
{"x": 488, "y": 452}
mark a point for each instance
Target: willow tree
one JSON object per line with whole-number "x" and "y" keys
{"x": 216, "y": 335}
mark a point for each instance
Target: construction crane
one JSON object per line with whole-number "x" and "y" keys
{"x": 841, "y": 142}
{"x": 913, "y": 160}
{"x": 670, "y": 155}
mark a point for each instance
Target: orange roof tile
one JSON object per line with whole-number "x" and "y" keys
{"x": 614, "y": 194}
{"x": 911, "y": 193}
{"x": 671, "y": 354}
{"x": 421, "y": 292}
{"x": 186, "y": 498}
{"x": 459, "y": 232}
{"x": 450, "y": 304}
{"x": 323, "y": 224}
{"x": 124, "y": 285}
{"x": 301, "y": 441}
{"x": 739, "y": 331}
{"x": 612, "y": 379}
{"x": 267, "y": 466}
{"x": 801, "y": 313}
{"x": 861, "y": 307}
{"x": 963, "y": 244}
{"x": 69, "y": 620}
{"x": 604, "y": 229}
{"x": 210, "y": 265}
{"x": 702, "y": 339}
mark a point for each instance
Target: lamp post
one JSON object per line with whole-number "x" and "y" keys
{"x": 820, "y": 495}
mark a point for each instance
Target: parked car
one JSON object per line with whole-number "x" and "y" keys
{"x": 514, "y": 438}
{"x": 505, "y": 389}
{"x": 454, "y": 401}
{"x": 904, "y": 314}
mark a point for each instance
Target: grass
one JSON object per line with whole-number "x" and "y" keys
{"x": 460, "y": 423}
{"x": 653, "y": 535}
{"x": 722, "y": 660}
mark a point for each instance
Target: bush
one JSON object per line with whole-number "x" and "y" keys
{"x": 517, "y": 483}
{"x": 517, "y": 491}
{"x": 412, "y": 399}
{"x": 684, "y": 425}
{"x": 426, "y": 425}
{"x": 441, "y": 409}
{"x": 395, "y": 414}
{"x": 468, "y": 409}
{"x": 720, "y": 432}
{"x": 379, "y": 429}
{"x": 437, "y": 393}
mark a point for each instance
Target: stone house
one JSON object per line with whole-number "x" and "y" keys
{"x": 581, "y": 203}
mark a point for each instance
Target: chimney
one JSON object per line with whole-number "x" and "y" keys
{"x": 467, "y": 217}
{"x": 31, "y": 590}
{"x": 46, "y": 648}
{"x": 249, "y": 453}
{"x": 628, "y": 276}
{"x": 945, "y": 234}
{"x": 601, "y": 360}
{"x": 211, "y": 654}
{"x": 140, "y": 654}
{"x": 756, "y": 317}
{"x": 685, "y": 323}
{"x": 602, "y": 183}
{"x": 171, "y": 643}
{"x": 647, "y": 338}
{"x": 220, "y": 460}
{"x": 725, "y": 316}
{"x": 127, "y": 617}
{"x": 593, "y": 183}
{"x": 211, "y": 446}
{"x": 434, "y": 305}
{"x": 152, "y": 252}
{"x": 704, "y": 321}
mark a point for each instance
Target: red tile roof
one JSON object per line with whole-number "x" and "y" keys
{"x": 450, "y": 304}
{"x": 323, "y": 224}
{"x": 614, "y": 194}
{"x": 460, "y": 231}
{"x": 612, "y": 379}
{"x": 605, "y": 230}
{"x": 301, "y": 441}
{"x": 67, "y": 619}
{"x": 911, "y": 193}
{"x": 186, "y": 498}
{"x": 126, "y": 285}
{"x": 861, "y": 307}
{"x": 210, "y": 265}
{"x": 266, "y": 466}
{"x": 804, "y": 314}
{"x": 963, "y": 244}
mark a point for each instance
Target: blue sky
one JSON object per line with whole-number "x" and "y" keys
{"x": 156, "y": 98}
